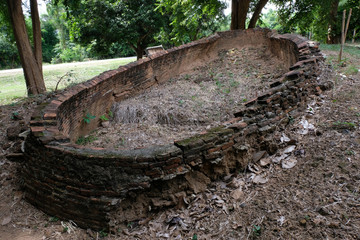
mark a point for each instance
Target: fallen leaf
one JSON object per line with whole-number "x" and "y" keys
{"x": 284, "y": 138}
{"x": 290, "y": 149}
{"x": 259, "y": 179}
{"x": 6, "y": 220}
{"x": 237, "y": 194}
{"x": 278, "y": 159}
{"x": 264, "y": 162}
{"x": 288, "y": 163}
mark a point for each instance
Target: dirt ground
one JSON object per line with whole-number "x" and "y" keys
{"x": 308, "y": 190}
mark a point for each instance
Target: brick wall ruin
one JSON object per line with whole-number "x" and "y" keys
{"x": 91, "y": 186}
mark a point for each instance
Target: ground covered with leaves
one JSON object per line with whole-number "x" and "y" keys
{"x": 308, "y": 190}
{"x": 190, "y": 103}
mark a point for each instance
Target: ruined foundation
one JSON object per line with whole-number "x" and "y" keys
{"x": 97, "y": 188}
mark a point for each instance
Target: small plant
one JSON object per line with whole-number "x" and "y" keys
{"x": 103, "y": 234}
{"x": 110, "y": 114}
{"x": 121, "y": 142}
{"x": 85, "y": 140}
{"x": 218, "y": 84}
{"x": 14, "y": 115}
{"x": 88, "y": 117}
{"x": 68, "y": 76}
{"x": 195, "y": 237}
{"x": 65, "y": 229}
{"x": 244, "y": 100}
{"x": 350, "y": 152}
{"x": 234, "y": 83}
{"x": 256, "y": 230}
{"x": 226, "y": 90}
{"x": 53, "y": 219}
{"x": 104, "y": 118}
{"x": 344, "y": 125}
{"x": 130, "y": 225}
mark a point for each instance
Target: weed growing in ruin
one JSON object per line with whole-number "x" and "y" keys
{"x": 53, "y": 219}
{"x": 14, "y": 116}
{"x": 85, "y": 140}
{"x": 104, "y": 118}
{"x": 344, "y": 125}
{"x": 88, "y": 117}
{"x": 103, "y": 234}
{"x": 256, "y": 231}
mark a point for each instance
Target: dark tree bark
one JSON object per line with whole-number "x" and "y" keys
{"x": 331, "y": 37}
{"x": 139, "y": 53}
{"x": 239, "y": 10}
{"x": 138, "y": 49}
{"x": 36, "y": 32}
{"x": 33, "y": 73}
{"x": 255, "y": 17}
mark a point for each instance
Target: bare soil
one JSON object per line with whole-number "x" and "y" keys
{"x": 312, "y": 193}
{"x": 190, "y": 103}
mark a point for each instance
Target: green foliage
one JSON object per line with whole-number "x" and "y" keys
{"x": 103, "y": 234}
{"x": 351, "y": 70}
{"x": 14, "y": 115}
{"x": 104, "y": 118}
{"x": 190, "y": 20}
{"x": 53, "y": 219}
{"x": 9, "y": 57}
{"x": 304, "y": 16}
{"x": 344, "y": 125}
{"x": 88, "y": 117}
{"x": 85, "y": 140}
{"x": 73, "y": 53}
{"x": 49, "y": 39}
{"x": 103, "y": 23}
{"x": 270, "y": 20}
{"x": 256, "y": 230}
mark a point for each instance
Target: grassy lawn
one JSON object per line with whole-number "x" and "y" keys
{"x": 12, "y": 83}
{"x": 349, "y": 64}
{"x": 353, "y": 50}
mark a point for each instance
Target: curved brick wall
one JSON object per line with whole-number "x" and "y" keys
{"x": 89, "y": 185}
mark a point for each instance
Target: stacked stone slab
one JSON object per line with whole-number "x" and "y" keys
{"x": 88, "y": 185}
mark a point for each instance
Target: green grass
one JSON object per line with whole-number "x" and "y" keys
{"x": 13, "y": 88}
{"x": 352, "y": 50}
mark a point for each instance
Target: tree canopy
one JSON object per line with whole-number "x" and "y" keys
{"x": 103, "y": 23}
{"x": 323, "y": 18}
{"x": 190, "y": 20}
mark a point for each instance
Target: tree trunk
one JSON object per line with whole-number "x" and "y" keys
{"x": 33, "y": 74}
{"x": 36, "y": 32}
{"x": 331, "y": 37}
{"x": 139, "y": 53}
{"x": 255, "y": 17}
{"x": 239, "y": 9}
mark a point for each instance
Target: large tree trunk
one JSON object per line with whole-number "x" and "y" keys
{"x": 36, "y": 32}
{"x": 331, "y": 37}
{"x": 239, "y": 9}
{"x": 139, "y": 53}
{"x": 33, "y": 74}
{"x": 255, "y": 17}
